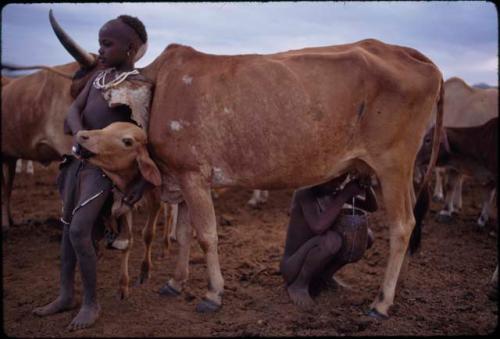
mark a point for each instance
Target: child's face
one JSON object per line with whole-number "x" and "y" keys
{"x": 113, "y": 46}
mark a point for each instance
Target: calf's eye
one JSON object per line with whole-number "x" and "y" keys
{"x": 128, "y": 142}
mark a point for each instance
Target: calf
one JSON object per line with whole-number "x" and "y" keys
{"x": 471, "y": 151}
{"x": 120, "y": 151}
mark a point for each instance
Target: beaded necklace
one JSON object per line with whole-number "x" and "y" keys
{"x": 100, "y": 80}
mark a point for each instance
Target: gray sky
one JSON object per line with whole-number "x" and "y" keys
{"x": 460, "y": 37}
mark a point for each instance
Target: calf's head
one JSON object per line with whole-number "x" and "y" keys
{"x": 120, "y": 151}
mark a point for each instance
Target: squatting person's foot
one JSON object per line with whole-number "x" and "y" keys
{"x": 300, "y": 296}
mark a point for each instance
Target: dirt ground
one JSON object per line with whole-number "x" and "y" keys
{"x": 444, "y": 291}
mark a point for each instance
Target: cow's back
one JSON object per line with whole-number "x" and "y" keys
{"x": 250, "y": 117}
{"x": 466, "y": 106}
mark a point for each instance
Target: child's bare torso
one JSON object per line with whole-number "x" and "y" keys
{"x": 97, "y": 114}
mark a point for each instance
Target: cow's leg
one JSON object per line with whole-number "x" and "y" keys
{"x": 8, "y": 174}
{"x": 153, "y": 209}
{"x": 446, "y": 213}
{"x": 175, "y": 285}
{"x": 170, "y": 230}
{"x": 488, "y": 194}
{"x": 396, "y": 191}
{"x": 254, "y": 200}
{"x": 438, "y": 188}
{"x": 196, "y": 191}
{"x": 29, "y": 167}
{"x": 126, "y": 231}
{"x": 264, "y": 195}
{"x": 19, "y": 165}
{"x": 457, "y": 193}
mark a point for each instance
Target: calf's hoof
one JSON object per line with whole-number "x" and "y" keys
{"x": 169, "y": 291}
{"x": 207, "y": 306}
{"x": 377, "y": 315}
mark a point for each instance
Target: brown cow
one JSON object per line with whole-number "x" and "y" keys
{"x": 288, "y": 120}
{"x": 471, "y": 151}
{"x": 465, "y": 106}
{"x": 33, "y": 111}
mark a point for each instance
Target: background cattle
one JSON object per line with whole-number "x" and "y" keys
{"x": 464, "y": 106}
{"x": 33, "y": 111}
{"x": 471, "y": 151}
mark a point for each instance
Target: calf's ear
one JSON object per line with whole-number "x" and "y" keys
{"x": 148, "y": 168}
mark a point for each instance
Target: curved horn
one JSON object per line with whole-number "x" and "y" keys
{"x": 82, "y": 56}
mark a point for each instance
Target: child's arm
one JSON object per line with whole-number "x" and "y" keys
{"x": 74, "y": 120}
{"x": 320, "y": 222}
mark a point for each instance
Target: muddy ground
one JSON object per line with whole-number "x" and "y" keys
{"x": 444, "y": 291}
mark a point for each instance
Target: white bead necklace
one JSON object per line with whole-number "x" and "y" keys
{"x": 100, "y": 80}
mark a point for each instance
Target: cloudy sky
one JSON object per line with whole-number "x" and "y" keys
{"x": 460, "y": 37}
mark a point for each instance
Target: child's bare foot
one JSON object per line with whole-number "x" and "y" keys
{"x": 58, "y": 305}
{"x": 86, "y": 317}
{"x": 300, "y": 296}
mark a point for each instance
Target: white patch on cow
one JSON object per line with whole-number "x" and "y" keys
{"x": 175, "y": 125}
{"x": 187, "y": 79}
{"x": 226, "y": 110}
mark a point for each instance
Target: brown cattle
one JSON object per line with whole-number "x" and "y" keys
{"x": 471, "y": 151}
{"x": 33, "y": 111}
{"x": 465, "y": 106}
{"x": 289, "y": 120}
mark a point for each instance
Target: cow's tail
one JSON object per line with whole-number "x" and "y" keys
{"x": 423, "y": 196}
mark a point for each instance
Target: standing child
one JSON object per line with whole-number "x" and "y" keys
{"x": 85, "y": 189}
{"x": 322, "y": 237}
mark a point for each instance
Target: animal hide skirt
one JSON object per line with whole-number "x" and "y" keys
{"x": 80, "y": 182}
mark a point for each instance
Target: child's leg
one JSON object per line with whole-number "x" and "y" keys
{"x": 81, "y": 238}
{"x": 290, "y": 266}
{"x": 94, "y": 192}
{"x": 65, "y": 299}
{"x": 315, "y": 261}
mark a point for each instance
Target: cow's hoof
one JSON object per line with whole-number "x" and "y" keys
{"x": 142, "y": 279}
{"x": 437, "y": 198}
{"x": 444, "y": 218}
{"x": 377, "y": 315}
{"x": 207, "y": 306}
{"x": 169, "y": 291}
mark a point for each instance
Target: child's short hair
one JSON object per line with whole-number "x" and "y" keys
{"x": 136, "y": 25}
